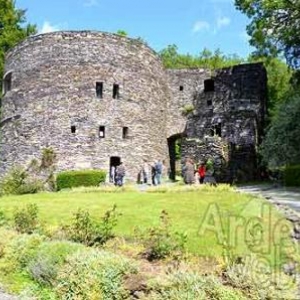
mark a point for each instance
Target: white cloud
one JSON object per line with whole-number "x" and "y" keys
{"x": 90, "y": 3}
{"x": 47, "y": 27}
{"x": 201, "y": 26}
{"x": 222, "y": 22}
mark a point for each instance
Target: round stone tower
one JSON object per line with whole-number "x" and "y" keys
{"x": 95, "y": 98}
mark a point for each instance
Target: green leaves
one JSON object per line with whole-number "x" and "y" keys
{"x": 11, "y": 29}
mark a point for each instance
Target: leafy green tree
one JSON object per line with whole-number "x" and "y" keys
{"x": 274, "y": 27}
{"x": 12, "y": 30}
{"x": 206, "y": 59}
{"x": 281, "y": 144}
{"x": 279, "y": 80}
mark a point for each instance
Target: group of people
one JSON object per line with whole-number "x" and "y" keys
{"x": 190, "y": 172}
{"x": 151, "y": 173}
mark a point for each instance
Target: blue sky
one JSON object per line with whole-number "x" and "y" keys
{"x": 190, "y": 24}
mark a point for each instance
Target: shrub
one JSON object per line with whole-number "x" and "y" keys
{"x": 258, "y": 281}
{"x": 70, "y": 179}
{"x": 26, "y": 220}
{"x": 21, "y": 250}
{"x": 48, "y": 158}
{"x": 185, "y": 285}
{"x": 88, "y": 231}
{"x": 292, "y": 175}
{"x": 17, "y": 182}
{"x": 161, "y": 243}
{"x": 49, "y": 257}
{"x": 94, "y": 274}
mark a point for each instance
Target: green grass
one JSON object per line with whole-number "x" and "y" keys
{"x": 185, "y": 208}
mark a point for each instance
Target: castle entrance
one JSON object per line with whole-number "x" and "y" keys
{"x": 113, "y": 163}
{"x": 174, "y": 144}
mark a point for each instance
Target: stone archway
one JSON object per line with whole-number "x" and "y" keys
{"x": 172, "y": 154}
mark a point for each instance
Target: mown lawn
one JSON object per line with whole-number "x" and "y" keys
{"x": 248, "y": 229}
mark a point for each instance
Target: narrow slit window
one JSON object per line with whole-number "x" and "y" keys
{"x": 99, "y": 90}
{"x": 209, "y": 85}
{"x": 73, "y": 129}
{"x": 125, "y": 132}
{"x": 101, "y": 132}
{"x": 181, "y": 88}
{"x": 7, "y": 83}
{"x": 116, "y": 91}
{"x": 209, "y": 102}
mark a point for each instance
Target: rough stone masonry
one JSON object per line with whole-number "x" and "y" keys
{"x": 99, "y": 98}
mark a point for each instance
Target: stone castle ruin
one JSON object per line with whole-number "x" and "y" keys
{"x": 98, "y": 99}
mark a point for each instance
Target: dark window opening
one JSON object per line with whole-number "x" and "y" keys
{"x": 101, "y": 132}
{"x": 7, "y": 83}
{"x": 73, "y": 129}
{"x": 211, "y": 132}
{"x": 116, "y": 91}
{"x": 125, "y": 133}
{"x": 99, "y": 90}
{"x": 209, "y": 85}
{"x": 181, "y": 88}
{"x": 209, "y": 102}
{"x": 218, "y": 129}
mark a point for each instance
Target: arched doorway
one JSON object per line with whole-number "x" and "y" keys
{"x": 113, "y": 163}
{"x": 174, "y": 144}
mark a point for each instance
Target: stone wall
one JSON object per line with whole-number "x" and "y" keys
{"x": 54, "y": 87}
{"x": 53, "y": 103}
{"x": 231, "y": 110}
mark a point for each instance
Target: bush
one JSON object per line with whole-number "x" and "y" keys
{"x": 50, "y": 256}
{"x": 292, "y": 176}
{"x": 20, "y": 251}
{"x": 160, "y": 243}
{"x": 70, "y": 179}
{"x": 88, "y": 231}
{"x": 94, "y": 274}
{"x": 185, "y": 285}
{"x": 26, "y": 220}
{"x": 17, "y": 182}
{"x": 257, "y": 280}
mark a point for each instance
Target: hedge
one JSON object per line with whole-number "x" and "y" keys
{"x": 292, "y": 175}
{"x": 70, "y": 179}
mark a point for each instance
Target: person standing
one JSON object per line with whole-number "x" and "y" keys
{"x": 189, "y": 172}
{"x": 120, "y": 173}
{"x": 201, "y": 172}
{"x": 158, "y": 172}
{"x": 146, "y": 172}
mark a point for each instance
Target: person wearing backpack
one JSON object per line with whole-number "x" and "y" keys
{"x": 158, "y": 172}
{"x": 120, "y": 173}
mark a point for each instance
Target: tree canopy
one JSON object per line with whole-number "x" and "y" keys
{"x": 13, "y": 29}
{"x": 171, "y": 58}
{"x": 274, "y": 27}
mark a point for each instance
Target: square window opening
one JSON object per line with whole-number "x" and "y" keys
{"x": 101, "y": 132}
{"x": 73, "y": 129}
{"x": 125, "y": 132}
{"x": 99, "y": 90}
{"x": 218, "y": 129}
{"x": 181, "y": 88}
{"x": 116, "y": 91}
{"x": 209, "y": 102}
{"x": 209, "y": 85}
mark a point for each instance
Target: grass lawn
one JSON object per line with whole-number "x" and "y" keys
{"x": 245, "y": 228}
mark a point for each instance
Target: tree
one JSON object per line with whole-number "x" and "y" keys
{"x": 281, "y": 144}
{"x": 11, "y": 29}
{"x": 274, "y": 27}
{"x": 279, "y": 78}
